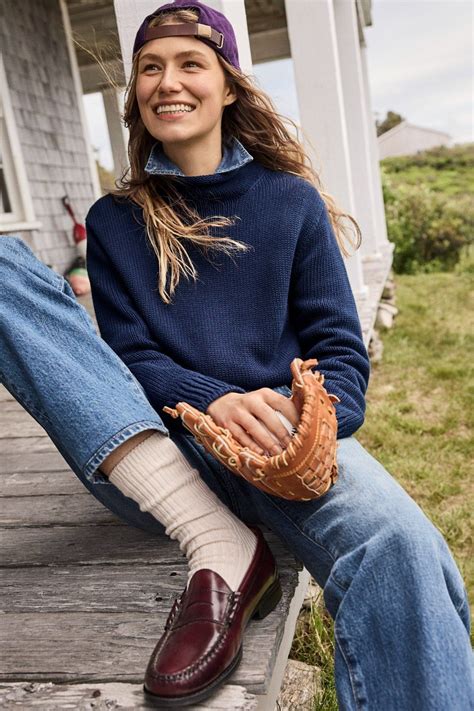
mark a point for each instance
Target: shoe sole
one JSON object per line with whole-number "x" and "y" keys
{"x": 267, "y": 603}
{"x": 164, "y": 702}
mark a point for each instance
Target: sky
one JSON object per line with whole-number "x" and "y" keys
{"x": 420, "y": 56}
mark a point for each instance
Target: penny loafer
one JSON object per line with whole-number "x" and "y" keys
{"x": 202, "y": 642}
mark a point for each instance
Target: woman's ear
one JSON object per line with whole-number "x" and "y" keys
{"x": 230, "y": 96}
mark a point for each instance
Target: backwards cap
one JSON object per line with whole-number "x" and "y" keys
{"x": 212, "y": 27}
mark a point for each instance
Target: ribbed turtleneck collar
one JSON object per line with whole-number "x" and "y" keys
{"x": 237, "y": 173}
{"x": 222, "y": 186}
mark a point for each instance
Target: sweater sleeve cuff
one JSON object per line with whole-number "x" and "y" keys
{"x": 201, "y": 391}
{"x": 349, "y": 420}
{"x": 168, "y": 387}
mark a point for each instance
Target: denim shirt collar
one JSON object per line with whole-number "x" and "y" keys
{"x": 233, "y": 157}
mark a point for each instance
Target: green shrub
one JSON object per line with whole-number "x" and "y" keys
{"x": 430, "y": 231}
{"x": 446, "y": 170}
{"x": 439, "y": 158}
{"x": 466, "y": 262}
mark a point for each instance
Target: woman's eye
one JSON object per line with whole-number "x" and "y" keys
{"x": 153, "y": 67}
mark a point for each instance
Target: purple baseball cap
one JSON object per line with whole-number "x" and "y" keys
{"x": 212, "y": 27}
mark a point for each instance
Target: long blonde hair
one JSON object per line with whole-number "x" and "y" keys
{"x": 254, "y": 121}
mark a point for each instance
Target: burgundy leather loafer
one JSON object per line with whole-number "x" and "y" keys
{"x": 202, "y": 642}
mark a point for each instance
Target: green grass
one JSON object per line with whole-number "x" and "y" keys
{"x": 419, "y": 425}
{"x": 420, "y": 401}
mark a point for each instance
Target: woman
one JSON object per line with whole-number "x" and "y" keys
{"x": 214, "y": 169}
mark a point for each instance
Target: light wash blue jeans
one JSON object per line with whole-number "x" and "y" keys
{"x": 390, "y": 583}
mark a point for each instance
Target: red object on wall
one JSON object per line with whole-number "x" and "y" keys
{"x": 77, "y": 275}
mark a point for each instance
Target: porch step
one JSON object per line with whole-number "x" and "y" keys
{"x": 85, "y": 597}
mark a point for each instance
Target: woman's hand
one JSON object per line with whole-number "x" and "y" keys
{"x": 252, "y": 420}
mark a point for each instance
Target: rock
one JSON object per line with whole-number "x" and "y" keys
{"x": 389, "y": 289}
{"x": 299, "y": 688}
{"x": 375, "y": 347}
{"x": 388, "y": 307}
{"x": 385, "y": 315}
{"x": 384, "y": 319}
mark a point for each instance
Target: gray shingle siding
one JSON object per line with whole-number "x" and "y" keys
{"x": 47, "y": 117}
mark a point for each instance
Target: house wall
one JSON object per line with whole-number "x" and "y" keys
{"x": 46, "y": 110}
{"x": 406, "y": 139}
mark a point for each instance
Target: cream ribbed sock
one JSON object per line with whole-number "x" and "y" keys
{"x": 160, "y": 479}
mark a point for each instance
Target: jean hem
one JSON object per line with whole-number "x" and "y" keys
{"x": 90, "y": 469}
{"x": 358, "y": 705}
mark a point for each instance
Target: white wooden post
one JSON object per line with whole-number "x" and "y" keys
{"x": 379, "y": 207}
{"x": 357, "y": 124}
{"x": 117, "y": 131}
{"x": 234, "y": 10}
{"x": 129, "y": 15}
{"x": 313, "y": 42}
{"x": 76, "y": 77}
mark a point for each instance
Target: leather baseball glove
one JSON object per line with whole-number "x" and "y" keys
{"x": 307, "y": 468}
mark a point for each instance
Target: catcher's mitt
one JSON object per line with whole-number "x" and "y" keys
{"x": 307, "y": 468}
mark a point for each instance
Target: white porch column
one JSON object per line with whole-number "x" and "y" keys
{"x": 76, "y": 77}
{"x": 117, "y": 131}
{"x": 313, "y": 42}
{"x": 357, "y": 125}
{"x": 130, "y": 13}
{"x": 379, "y": 207}
{"x": 234, "y": 10}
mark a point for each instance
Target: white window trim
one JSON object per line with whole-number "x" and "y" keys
{"x": 23, "y": 216}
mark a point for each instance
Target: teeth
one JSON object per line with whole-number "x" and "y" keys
{"x": 173, "y": 108}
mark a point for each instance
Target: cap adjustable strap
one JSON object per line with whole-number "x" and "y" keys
{"x": 188, "y": 28}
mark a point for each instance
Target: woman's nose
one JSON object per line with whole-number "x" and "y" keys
{"x": 169, "y": 78}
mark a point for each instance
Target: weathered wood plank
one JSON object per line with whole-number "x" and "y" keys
{"x": 124, "y": 588}
{"x": 5, "y": 395}
{"x": 278, "y": 654}
{"x": 75, "y": 510}
{"x": 26, "y": 445}
{"x": 19, "y": 424}
{"x": 26, "y": 461}
{"x": 98, "y": 545}
{"x": 116, "y": 647}
{"x": 88, "y": 545}
{"x": 12, "y": 406}
{"x": 103, "y": 697}
{"x": 40, "y": 484}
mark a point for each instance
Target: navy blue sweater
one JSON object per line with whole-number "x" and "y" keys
{"x": 238, "y": 327}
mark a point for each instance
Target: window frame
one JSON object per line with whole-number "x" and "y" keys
{"x": 22, "y": 217}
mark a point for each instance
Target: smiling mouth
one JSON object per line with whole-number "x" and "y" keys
{"x": 174, "y": 109}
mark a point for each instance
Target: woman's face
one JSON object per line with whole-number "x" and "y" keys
{"x": 181, "y": 70}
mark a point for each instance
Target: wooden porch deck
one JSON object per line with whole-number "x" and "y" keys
{"x": 84, "y": 597}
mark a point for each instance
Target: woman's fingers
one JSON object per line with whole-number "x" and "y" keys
{"x": 253, "y": 421}
{"x": 266, "y": 409}
{"x": 244, "y": 439}
{"x": 287, "y": 408}
{"x": 259, "y": 432}
{"x": 268, "y": 418}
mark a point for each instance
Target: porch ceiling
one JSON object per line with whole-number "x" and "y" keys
{"x": 96, "y": 39}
